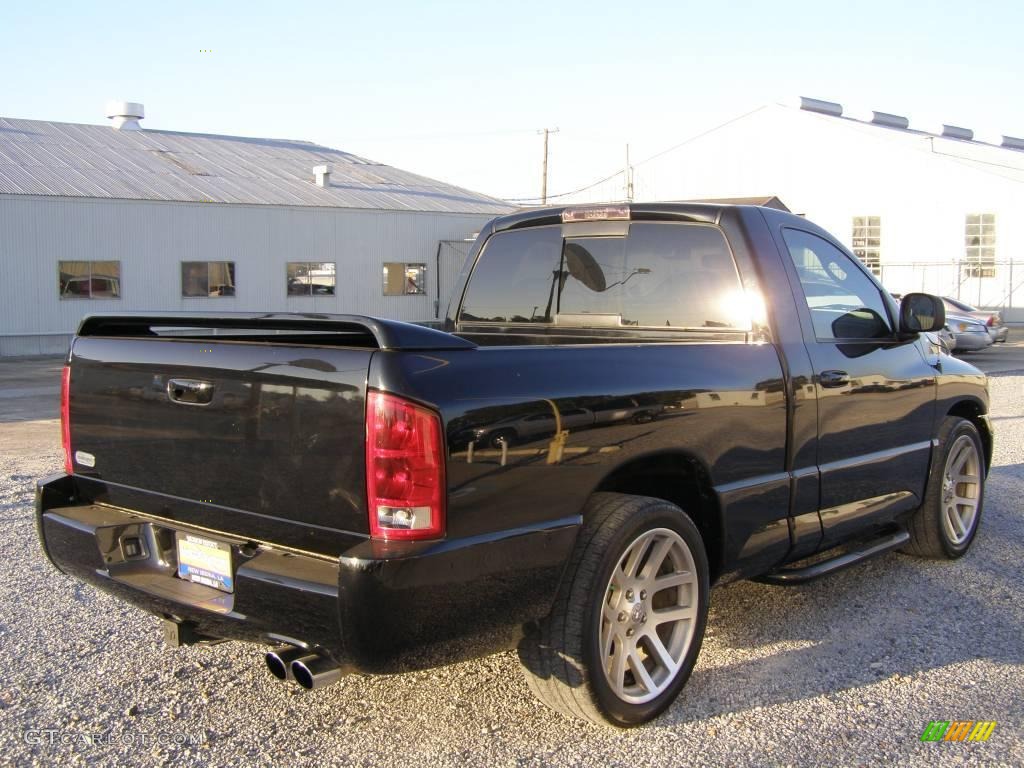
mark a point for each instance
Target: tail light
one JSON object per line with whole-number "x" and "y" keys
{"x": 405, "y": 486}
{"x": 991, "y": 321}
{"x": 65, "y": 418}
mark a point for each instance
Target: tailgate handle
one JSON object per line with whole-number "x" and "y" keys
{"x": 190, "y": 391}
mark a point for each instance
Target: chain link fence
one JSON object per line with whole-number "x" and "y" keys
{"x": 1001, "y": 287}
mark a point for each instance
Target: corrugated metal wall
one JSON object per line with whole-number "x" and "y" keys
{"x": 151, "y": 239}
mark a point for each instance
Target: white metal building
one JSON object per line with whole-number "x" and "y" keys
{"x": 98, "y": 218}
{"x": 935, "y": 210}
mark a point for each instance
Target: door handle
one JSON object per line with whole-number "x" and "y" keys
{"x": 190, "y": 391}
{"x": 832, "y": 379}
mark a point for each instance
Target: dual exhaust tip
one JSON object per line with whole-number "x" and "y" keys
{"x": 309, "y": 670}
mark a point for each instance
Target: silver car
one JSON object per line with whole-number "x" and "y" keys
{"x": 971, "y": 333}
{"x": 991, "y": 319}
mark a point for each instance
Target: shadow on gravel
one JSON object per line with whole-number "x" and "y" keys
{"x": 897, "y": 615}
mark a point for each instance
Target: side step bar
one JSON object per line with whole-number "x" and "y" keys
{"x": 791, "y": 576}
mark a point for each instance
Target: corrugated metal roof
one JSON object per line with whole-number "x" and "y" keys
{"x": 73, "y": 160}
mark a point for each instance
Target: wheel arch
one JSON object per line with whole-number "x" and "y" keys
{"x": 681, "y": 479}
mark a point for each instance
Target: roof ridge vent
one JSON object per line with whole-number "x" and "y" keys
{"x": 1012, "y": 142}
{"x": 956, "y": 132}
{"x": 126, "y": 114}
{"x": 893, "y": 121}
{"x": 824, "y": 107}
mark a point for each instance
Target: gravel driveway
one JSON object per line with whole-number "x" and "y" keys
{"x": 845, "y": 671}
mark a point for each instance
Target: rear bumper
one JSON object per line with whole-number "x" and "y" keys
{"x": 1000, "y": 333}
{"x": 972, "y": 342}
{"x": 376, "y": 608}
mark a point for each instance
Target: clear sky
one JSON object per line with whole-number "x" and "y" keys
{"x": 458, "y": 90}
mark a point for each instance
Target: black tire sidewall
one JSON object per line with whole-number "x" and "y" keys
{"x": 661, "y": 515}
{"x": 962, "y": 427}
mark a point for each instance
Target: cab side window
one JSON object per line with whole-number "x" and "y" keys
{"x": 844, "y": 303}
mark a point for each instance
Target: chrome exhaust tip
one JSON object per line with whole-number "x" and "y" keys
{"x": 314, "y": 671}
{"x": 279, "y": 661}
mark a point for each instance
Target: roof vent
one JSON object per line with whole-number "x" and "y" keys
{"x": 956, "y": 132}
{"x": 893, "y": 121}
{"x": 126, "y": 114}
{"x": 825, "y": 107}
{"x": 1012, "y": 142}
{"x": 323, "y": 175}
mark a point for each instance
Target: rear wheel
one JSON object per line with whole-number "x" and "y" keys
{"x": 945, "y": 524}
{"x": 628, "y": 622}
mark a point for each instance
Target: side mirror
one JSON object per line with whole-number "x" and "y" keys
{"x": 921, "y": 312}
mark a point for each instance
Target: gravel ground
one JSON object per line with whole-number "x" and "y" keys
{"x": 845, "y": 671}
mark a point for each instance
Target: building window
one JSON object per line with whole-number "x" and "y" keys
{"x": 207, "y": 278}
{"x": 310, "y": 278}
{"x": 90, "y": 279}
{"x": 867, "y": 241}
{"x": 980, "y": 244}
{"x": 404, "y": 279}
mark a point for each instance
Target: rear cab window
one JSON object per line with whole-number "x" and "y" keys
{"x": 657, "y": 275}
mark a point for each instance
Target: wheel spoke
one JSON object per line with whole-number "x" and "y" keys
{"x": 958, "y": 524}
{"x": 658, "y": 555}
{"x": 660, "y": 652}
{"x": 963, "y": 454}
{"x": 672, "y": 580}
{"x": 611, "y": 613}
{"x": 636, "y": 554}
{"x": 618, "y": 665}
{"x": 963, "y": 501}
{"x": 640, "y": 672}
{"x": 606, "y": 646}
{"x": 677, "y": 613}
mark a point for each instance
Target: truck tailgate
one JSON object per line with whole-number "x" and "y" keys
{"x": 260, "y": 440}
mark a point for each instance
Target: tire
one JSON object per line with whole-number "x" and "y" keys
{"x": 944, "y": 526}
{"x": 591, "y": 616}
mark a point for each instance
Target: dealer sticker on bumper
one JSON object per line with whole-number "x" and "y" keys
{"x": 205, "y": 561}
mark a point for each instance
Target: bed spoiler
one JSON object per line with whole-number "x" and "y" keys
{"x": 388, "y": 334}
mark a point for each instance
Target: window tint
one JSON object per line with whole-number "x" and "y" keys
{"x": 660, "y": 275}
{"x": 844, "y": 303}
{"x": 310, "y": 278}
{"x": 89, "y": 279}
{"x": 514, "y": 277}
{"x": 401, "y": 279}
{"x": 207, "y": 278}
{"x": 673, "y": 275}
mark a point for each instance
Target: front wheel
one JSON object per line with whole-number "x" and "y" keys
{"x": 628, "y": 621}
{"x": 944, "y": 525}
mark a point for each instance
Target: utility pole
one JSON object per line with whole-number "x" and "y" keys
{"x": 544, "y": 172}
{"x": 629, "y": 177}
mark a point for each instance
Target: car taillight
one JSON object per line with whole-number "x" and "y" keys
{"x": 405, "y": 487}
{"x": 991, "y": 321}
{"x": 65, "y": 418}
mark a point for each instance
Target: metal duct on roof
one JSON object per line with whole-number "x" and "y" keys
{"x": 893, "y": 121}
{"x": 126, "y": 114}
{"x": 956, "y": 132}
{"x": 825, "y": 107}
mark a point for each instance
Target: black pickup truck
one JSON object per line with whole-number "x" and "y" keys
{"x": 626, "y": 406}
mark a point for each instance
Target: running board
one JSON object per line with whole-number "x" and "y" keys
{"x": 790, "y": 576}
